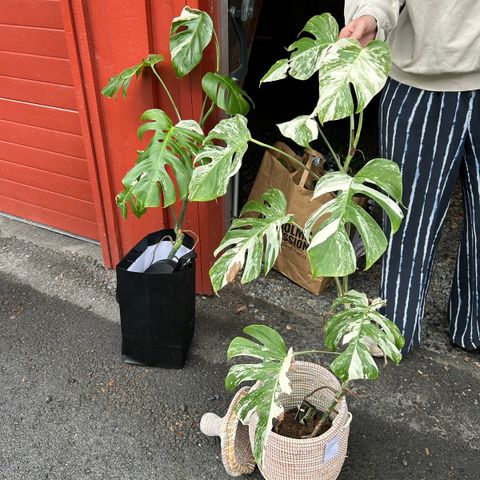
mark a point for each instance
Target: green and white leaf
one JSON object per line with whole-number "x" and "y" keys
{"x": 307, "y": 53}
{"x": 357, "y": 319}
{"x": 271, "y": 374}
{"x": 302, "y": 130}
{"x": 216, "y": 164}
{"x": 226, "y": 94}
{"x": 346, "y": 63}
{"x": 278, "y": 71}
{"x": 190, "y": 33}
{"x": 251, "y": 240}
{"x": 331, "y": 252}
{"x": 171, "y": 145}
{"x": 123, "y": 79}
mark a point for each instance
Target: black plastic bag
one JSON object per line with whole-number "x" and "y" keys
{"x": 157, "y": 310}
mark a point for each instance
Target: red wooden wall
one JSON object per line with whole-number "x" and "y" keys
{"x": 104, "y": 37}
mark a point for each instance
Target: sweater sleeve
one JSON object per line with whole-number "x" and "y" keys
{"x": 386, "y": 13}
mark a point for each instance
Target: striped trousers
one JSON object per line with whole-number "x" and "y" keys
{"x": 434, "y": 137}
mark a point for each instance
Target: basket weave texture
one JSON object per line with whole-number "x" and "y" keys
{"x": 319, "y": 458}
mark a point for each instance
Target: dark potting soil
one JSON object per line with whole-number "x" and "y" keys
{"x": 290, "y": 427}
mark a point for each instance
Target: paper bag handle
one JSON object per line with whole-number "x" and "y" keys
{"x": 311, "y": 154}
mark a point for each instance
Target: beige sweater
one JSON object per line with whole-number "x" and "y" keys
{"x": 435, "y": 43}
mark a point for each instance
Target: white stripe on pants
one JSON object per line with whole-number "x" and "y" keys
{"x": 434, "y": 137}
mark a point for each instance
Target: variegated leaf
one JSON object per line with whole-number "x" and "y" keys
{"x": 123, "y": 79}
{"x": 331, "y": 252}
{"x": 271, "y": 373}
{"x": 307, "y": 52}
{"x": 250, "y": 240}
{"x": 190, "y": 33}
{"x": 278, "y": 71}
{"x": 226, "y": 94}
{"x": 346, "y": 63}
{"x": 357, "y": 319}
{"x": 302, "y": 130}
{"x": 216, "y": 164}
{"x": 148, "y": 180}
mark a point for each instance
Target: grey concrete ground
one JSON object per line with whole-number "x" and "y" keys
{"x": 69, "y": 409}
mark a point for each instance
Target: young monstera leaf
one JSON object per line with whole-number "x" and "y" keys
{"x": 356, "y": 319}
{"x": 190, "y": 33}
{"x": 271, "y": 374}
{"x": 345, "y": 63}
{"x": 226, "y": 94}
{"x": 302, "y": 130}
{"x": 331, "y": 252}
{"x": 216, "y": 164}
{"x": 123, "y": 79}
{"x": 247, "y": 237}
{"x": 172, "y": 145}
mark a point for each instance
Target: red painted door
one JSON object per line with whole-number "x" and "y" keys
{"x": 44, "y": 173}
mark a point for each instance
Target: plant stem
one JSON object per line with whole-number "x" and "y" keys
{"x": 204, "y": 105}
{"x": 284, "y": 154}
{"x": 353, "y": 147}
{"x": 341, "y": 393}
{"x": 176, "y": 246}
{"x": 182, "y": 214}
{"x": 167, "y": 91}
{"x": 175, "y": 223}
{"x": 339, "y": 287}
{"x": 309, "y": 352}
{"x": 209, "y": 112}
{"x": 330, "y": 148}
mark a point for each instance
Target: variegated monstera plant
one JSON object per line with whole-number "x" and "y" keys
{"x": 182, "y": 163}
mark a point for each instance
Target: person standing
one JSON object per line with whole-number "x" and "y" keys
{"x": 429, "y": 122}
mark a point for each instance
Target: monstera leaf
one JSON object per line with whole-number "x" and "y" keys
{"x": 247, "y": 237}
{"x": 302, "y": 130}
{"x": 357, "y": 318}
{"x": 345, "y": 63}
{"x": 216, "y": 164}
{"x": 226, "y": 94}
{"x": 172, "y": 145}
{"x": 278, "y": 71}
{"x": 331, "y": 252}
{"x": 123, "y": 79}
{"x": 271, "y": 373}
{"x": 307, "y": 52}
{"x": 190, "y": 33}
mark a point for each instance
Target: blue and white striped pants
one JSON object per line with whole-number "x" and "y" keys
{"x": 434, "y": 137}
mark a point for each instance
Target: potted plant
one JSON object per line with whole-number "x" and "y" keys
{"x": 156, "y": 278}
{"x": 287, "y": 391}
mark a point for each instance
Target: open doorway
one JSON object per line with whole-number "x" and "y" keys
{"x": 276, "y": 102}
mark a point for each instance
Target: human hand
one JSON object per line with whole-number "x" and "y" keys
{"x": 363, "y": 29}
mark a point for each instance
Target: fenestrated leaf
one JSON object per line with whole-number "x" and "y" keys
{"x": 307, "y": 52}
{"x": 226, "y": 94}
{"x": 271, "y": 372}
{"x": 247, "y": 238}
{"x": 123, "y": 79}
{"x": 216, "y": 164}
{"x": 172, "y": 145}
{"x": 278, "y": 71}
{"x": 190, "y": 33}
{"x": 345, "y": 63}
{"x": 331, "y": 252}
{"x": 357, "y": 319}
{"x": 302, "y": 130}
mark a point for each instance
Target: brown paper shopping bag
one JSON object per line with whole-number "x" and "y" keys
{"x": 280, "y": 172}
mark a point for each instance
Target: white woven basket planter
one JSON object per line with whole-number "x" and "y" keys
{"x": 319, "y": 458}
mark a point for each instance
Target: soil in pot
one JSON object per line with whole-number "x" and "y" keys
{"x": 290, "y": 427}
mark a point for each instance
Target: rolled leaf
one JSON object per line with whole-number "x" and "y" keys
{"x": 271, "y": 373}
{"x": 331, "y": 252}
{"x": 226, "y": 94}
{"x": 216, "y": 164}
{"x": 190, "y": 33}
{"x": 171, "y": 145}
{"x": 123, "y": 79}
{"x": 346, "y": 63}
{"x": 278, "y": 71}
{"x": 249, "y": 241}
{"x": 357, "y": 319}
